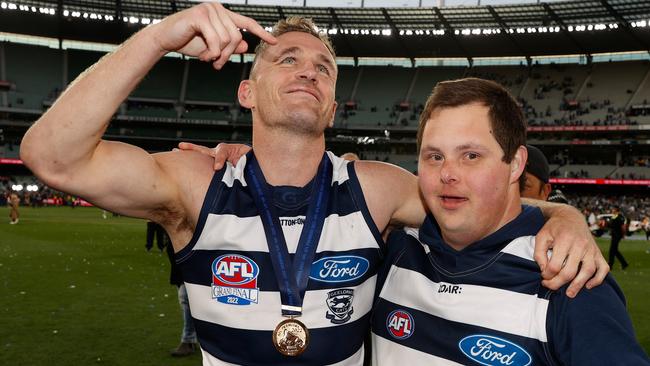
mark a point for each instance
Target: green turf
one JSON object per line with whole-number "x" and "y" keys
{"x": 77, "y": 289}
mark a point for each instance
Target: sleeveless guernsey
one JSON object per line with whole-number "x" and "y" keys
{"x": 233, "y": 292}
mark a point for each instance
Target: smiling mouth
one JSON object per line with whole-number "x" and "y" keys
{"x": 300, "y": 91}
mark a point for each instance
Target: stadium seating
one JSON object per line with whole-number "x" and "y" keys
{"x": 584, "y": 171}
{"x": 370, "y": 97}
{"x": 36, "y": 73}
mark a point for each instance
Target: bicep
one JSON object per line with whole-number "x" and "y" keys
{"x": 124, "y": 179}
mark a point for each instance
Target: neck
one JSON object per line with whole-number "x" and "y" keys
{"x": 286, "y": 158}
{"x": 461, "y": 240}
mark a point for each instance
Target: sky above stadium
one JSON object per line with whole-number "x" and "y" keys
{"x": 382, "y": 3}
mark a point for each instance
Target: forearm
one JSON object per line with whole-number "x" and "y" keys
{"x": 550, "y": 209}
{"x": 70, "y": 131}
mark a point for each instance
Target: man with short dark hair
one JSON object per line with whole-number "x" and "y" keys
{"x": 464, "y": 288}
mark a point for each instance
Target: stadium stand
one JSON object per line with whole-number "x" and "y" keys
{"x": 35, "y": 73}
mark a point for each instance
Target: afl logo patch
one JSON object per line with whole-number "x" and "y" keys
{"x": 489, "y": 350}
{"x": 234, "y": 280}
{"x": 400, "y": 324}
{"x": 337, "y": 269}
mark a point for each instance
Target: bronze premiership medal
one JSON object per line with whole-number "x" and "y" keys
{"x": 291, "y": 337}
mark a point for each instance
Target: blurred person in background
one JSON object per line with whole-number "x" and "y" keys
{"x": 536, "y": 183}
{"x": 617, "y": 230}
{"x": 557, "y": 196}
{"x": 188, "y": 345}
{"x": 14, "y": 202}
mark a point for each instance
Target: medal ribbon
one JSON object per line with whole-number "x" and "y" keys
{"x": 292, "y": 279}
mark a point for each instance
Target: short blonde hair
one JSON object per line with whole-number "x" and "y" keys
{"x": 294, "y": 24}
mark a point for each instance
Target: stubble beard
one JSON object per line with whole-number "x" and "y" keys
{"x": 299, "y": 122}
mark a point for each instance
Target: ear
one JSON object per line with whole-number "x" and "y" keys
{"x": 518, "y": 164}
{"x": 332, "y": 115}
{"x": 546, "y": 190}
{"x": 245, "y": 94}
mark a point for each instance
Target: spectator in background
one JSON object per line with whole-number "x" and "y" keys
{"x": 157, "y": 231}
{"x": 536, "y": 183}
{"x": 14, "y": 202}
{"x": 617, "y": 231}
{"x": 189, "y": 339}
{"x": 557, "y": 196}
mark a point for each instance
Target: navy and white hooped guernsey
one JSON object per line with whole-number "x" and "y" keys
{"x": 232, "y": 288}
{"x": 485, "y": 305}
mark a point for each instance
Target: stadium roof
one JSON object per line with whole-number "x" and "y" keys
{"x": 557, "y": 28}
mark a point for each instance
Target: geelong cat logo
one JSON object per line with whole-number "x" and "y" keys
{"x": 342, "y": 268}
{"x": 489, "y": 350}
{"x": 234, "y": 280}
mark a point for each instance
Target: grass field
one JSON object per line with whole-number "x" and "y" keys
{"x": 76, "y": 289}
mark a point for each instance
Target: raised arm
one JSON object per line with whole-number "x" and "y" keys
{"x": 64, "y": 147}
{"x": 576, "y": 257}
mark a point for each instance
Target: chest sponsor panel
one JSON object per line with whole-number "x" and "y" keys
{"x": 339, "y": 269}
{"x": 493, "y": 351}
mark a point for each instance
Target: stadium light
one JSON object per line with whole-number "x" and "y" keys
{"x": 17, "y": 187}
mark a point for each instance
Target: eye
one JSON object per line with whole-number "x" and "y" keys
{"x": 288, "y": 60}
{"x": 472, "y": 155}
{"x": 436, "y": 157}
{"x": 323, "y": 69}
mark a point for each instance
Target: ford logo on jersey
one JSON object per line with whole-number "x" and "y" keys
{"x": 489, "y": 350}
{"x": 234, "y": 280}
{"x": 339, "y": 269}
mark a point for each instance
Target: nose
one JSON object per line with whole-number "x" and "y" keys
{"x": 308, "y": 72}
{"x": 448, "y": 174}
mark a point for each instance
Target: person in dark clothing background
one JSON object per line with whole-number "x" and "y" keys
{"x": 617, "y": 231}
{"x": 156, "y": 231}
{"x": 188, "y": 336}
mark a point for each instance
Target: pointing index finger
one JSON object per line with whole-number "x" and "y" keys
{"x": 252, "y": 26}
